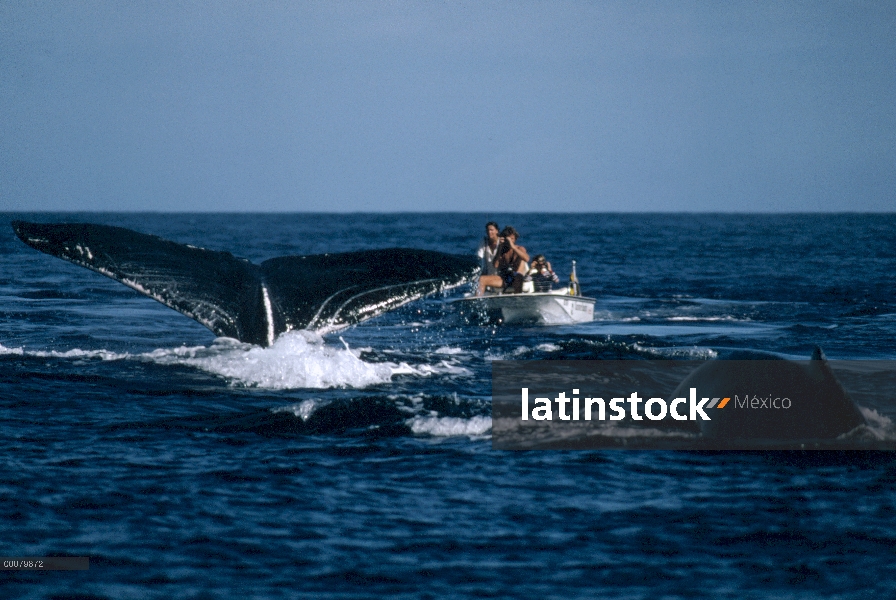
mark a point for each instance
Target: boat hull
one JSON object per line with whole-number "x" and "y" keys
{"x": 539, "y": 308}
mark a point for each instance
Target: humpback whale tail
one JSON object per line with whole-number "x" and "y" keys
{"x": 253, "y": 303}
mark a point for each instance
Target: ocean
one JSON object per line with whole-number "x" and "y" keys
{"x": 360, "y": 464}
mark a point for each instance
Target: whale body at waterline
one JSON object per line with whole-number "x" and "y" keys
{"x": 817, "y": 406}
{"x": 253, "y": 303}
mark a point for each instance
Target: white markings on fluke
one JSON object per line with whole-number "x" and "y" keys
{"x": 269, "y": 314}
{"x": 325, "y": 302}
{"x": 390, "y": 303}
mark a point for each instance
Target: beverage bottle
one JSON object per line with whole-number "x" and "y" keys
{"x": 574, "y": 282}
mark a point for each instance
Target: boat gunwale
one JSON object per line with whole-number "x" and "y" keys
{"x": 524, "y": 295}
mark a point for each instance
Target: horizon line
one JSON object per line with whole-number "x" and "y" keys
{"x": 457, "y": 212}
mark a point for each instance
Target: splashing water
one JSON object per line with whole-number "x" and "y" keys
{"x": 298, "y": 359}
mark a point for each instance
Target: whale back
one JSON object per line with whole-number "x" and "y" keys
{"x": 820, "y": 409}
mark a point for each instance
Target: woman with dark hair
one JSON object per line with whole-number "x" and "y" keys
{"x": 510, "y": 264}
{"x": 488, "y": 249}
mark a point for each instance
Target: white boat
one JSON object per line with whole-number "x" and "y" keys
{"x": 556, "y": 307}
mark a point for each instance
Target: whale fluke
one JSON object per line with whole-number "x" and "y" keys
{"x": 253, "y": 303}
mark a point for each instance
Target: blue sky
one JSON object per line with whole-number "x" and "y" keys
{"x": 448, "y": 106}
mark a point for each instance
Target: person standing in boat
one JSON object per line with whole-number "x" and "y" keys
{"x": 510, "y": 264}
{"x": 488, "y": 249}
{"x": 543, "y": 276}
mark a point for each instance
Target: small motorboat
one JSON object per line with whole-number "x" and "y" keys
{"x": 552, "y": 307}
{"x": 556, "y": 307}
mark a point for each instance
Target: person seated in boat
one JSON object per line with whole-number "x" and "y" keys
{"x": 542, "y": 275}
{"x": 488, "y": 249}
{"x": 510, "y": 264}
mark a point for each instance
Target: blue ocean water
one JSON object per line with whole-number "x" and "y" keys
{"x": 360, "y": 465}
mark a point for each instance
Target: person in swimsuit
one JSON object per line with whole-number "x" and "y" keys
{"x": 510, "y": 264}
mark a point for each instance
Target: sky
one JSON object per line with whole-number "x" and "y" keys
{"x": 482, "y": 106}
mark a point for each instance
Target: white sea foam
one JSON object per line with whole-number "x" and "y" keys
{"x": 18, "y": 351}
{"x": 297, "y": 359}
{"x": 878, "y": 426}
{"x": 75, "y": 353}
{"x": 448, "y": 350}
{"x": 451, "y": 426}
{"x": 547, "y": 347}
{"x": 707, "y": 319}
{"x": 425, "y": 370}
{"x": 693, "y": 352}
{"x": 875, "y": 418}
